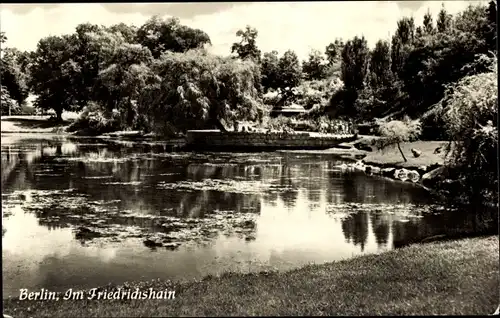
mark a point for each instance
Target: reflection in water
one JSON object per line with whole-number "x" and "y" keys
{"x": 239, "y": 212}
{"x": 355, "y": 229}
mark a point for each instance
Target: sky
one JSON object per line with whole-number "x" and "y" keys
{"x": 300, "y": 26}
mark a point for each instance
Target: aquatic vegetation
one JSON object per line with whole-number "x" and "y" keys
{"x": 224, "y": 185}
{"x": 403, "y": 210}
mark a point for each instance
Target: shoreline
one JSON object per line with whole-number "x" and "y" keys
{"x": 345, "y": 150}
{"x": 454, "y": 277}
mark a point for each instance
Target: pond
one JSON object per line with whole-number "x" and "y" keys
{"x": 82, "y": 212}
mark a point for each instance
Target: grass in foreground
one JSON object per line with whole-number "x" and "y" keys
{"x": 456, "y": 278}
{"x": 392, "y": 156}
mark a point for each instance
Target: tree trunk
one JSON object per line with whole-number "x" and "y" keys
{"x": 59, "y": 115}
{"x": 402, "y": 154}
{"x": 219, "y": 125}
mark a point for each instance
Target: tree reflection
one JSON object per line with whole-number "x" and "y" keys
{"x": 129, "y": 179}
{"x": 380, "y": 225}
{"x": 355, "y": 228}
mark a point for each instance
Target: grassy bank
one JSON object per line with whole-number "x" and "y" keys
{"x": 392, "y": 156}
{"x": 34, "y": 124}
{"x": 457, "y": 278}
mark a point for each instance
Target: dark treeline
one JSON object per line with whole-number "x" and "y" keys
{"x": 158, "y": 77}
{"x": 129, "y": 69}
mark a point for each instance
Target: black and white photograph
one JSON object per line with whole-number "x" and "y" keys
{"x": 308, "y": 158}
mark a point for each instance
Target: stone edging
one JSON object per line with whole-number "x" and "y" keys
{"x": 272, "y": 139}
{"x": 421, "y": 176}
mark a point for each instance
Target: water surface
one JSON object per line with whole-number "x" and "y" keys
{"x": 219, "y": 212}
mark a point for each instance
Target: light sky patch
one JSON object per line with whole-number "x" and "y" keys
{"x": 299, "y": 26}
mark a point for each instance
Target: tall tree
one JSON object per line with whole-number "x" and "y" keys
{"x": 401, "y": 44}
{"x": 270, "y": 70}
{"x": 53, "y": 74}
{"x": 380, "y": 65}
{"x": 129, "y": 32}
{"x": 160, "y": 35}
{"x": 290, "y": 70}
{"x": 247, "y": 47}
{"x": 428, "y": 23}
{"x": 491, "y": 37}
{"x": 87, "y": 57}
{"x": 14, "y": 74}
{"x": 314, "y": 67}
{"x": 355, "y": 57}
{"x": 406, "y": 30}
{"x": 124, "y": 72}
{"x": 443, "y": 20}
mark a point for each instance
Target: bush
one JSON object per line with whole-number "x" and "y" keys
{"x": 280, "y": 123}
{"x": 322, "y": 124}
{"x": 333, "y": 126}
{"x": 95, "y": 121}
{"x": 271, "y": 98}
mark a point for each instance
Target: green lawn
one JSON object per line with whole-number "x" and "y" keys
{"x": 392, "y": 156}
{"x": 456, "y": 278}
{"x": 33, "y": 124}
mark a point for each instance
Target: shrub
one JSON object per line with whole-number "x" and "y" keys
{"x": 280, "y": 123}
{"x": 271, "y": 98}
{"x": 332, "y": 126}
{"x": 95, "y": 121}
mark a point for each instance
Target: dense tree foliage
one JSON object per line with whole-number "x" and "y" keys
{"x": 470, "y": 112}
{"x": 333, "y": 51}
{"x": 355, "y": 63}
{"x": 14, "y": 74}
{"x": 14, "y": 77}
{"x": 290, "y": 70}
{"x": 444, "y": 20}
{"x": 314, "y": 68}
{"x": 9, "y": 105}
{"x": 247, "y": 47}
{"x": 123, "y": 74}
{"x": 199, "y": 90}
{"x": 428, "y": 24}
{"x": 270, "y": 70}
{"x": 55, "y": 73}
{"x": 160, "y": 35}
{"x": 380, "y": 65}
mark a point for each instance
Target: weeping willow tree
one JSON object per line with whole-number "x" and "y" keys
{"x": 198, "y": 90}
{"x": 471, "y": 120}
